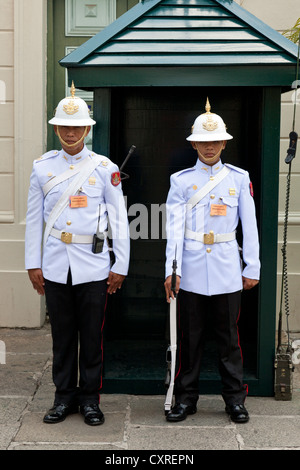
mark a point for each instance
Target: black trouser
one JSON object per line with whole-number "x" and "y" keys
{"x": 77, "y": 317}
{"x": 192, "y": 313}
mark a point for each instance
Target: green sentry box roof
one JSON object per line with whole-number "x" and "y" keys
{"x": 184, "y": 43}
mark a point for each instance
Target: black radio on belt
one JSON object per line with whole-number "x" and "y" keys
{"x": 98, "y": 243}
{"x": 98, "y": 238}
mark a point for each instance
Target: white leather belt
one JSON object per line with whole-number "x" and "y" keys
{"x": 210, "y": 238}
{"x": 68, "y": 237}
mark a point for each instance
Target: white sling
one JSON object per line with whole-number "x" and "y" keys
{"x": 86, "y": 170}
{"x": 193, "y": 201}
{"x": 63, "y": 177}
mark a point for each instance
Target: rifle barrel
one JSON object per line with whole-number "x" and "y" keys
{"x": 132, "y": 149}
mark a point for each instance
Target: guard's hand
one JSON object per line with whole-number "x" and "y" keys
{"x": 37, "y": 280}
{"x": 168, "y": 285}
{"x": 249, "y": 283}
{"x": 114, "y": 282}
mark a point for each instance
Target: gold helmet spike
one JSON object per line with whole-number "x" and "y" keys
{"x": 207, "y": 106}
{"x": 72, "y": 89}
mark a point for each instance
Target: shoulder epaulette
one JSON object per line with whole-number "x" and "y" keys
{"x": 45, "y": 156}
{"x": 113, "y": 169}
{"x": 236, "y": 168}
{"x": 105, "y": 162}
{"x": 183, "y": 171}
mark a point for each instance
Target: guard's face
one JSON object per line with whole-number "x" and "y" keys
{"x": 72, "y": 137}
{"x": 209, "y": 152}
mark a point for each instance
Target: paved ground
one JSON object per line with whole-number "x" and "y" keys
{"x": 131, "y": 422}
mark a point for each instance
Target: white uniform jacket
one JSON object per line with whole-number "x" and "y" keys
{"x": 101, "y": 188}
{"x": 215, "y": 268}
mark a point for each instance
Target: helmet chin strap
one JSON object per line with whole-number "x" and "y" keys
{"x": 75, "y": 143}
{"x": 211, "y": 160}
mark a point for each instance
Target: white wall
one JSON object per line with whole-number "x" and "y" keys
{"x": 22, "y": 139}
{"x": 282, "y": 15}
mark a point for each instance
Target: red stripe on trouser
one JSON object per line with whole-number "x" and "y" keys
{"x": 238, "y": 335}
{"x": 102, "y": 326}
{"x": 239, "y": 343}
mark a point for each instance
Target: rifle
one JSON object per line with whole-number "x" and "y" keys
{"x": 172, "y": 348}
{"x": 123, "y": 177}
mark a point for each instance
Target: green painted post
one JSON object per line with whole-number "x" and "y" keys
{"x": 102, "y": 112}
{"x": 268, "y": 237}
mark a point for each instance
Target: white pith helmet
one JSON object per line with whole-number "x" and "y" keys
{"x": 72, "y": 111}
{"x": 209, "y": 127}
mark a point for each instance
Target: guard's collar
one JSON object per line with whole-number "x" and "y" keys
{"x": 75, "y": 158}
{"x": 207, "y": 169}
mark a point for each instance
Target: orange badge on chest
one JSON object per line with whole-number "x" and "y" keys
{"x": 77, "y": 201}
{"x": 218, "y": 209}
{"x": 115, "y": 178}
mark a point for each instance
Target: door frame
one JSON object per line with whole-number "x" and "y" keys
{"x": 263, "y": 383}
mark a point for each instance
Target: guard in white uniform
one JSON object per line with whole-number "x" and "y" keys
{"x": 75, "y": 192}
{"x": 204, "y": 206}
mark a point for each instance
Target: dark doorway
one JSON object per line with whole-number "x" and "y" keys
{"x": 157, "y": 121}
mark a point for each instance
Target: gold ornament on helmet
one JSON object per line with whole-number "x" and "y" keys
{"x": 71, "y": 108}
{"x": 210, "y": 124}
{"x": 72, "y": 89}
{"x": 207, "y": 106}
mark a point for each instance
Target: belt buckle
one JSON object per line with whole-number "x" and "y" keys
{"x": 208, "y": 238}
{"x": 66, "y": 237}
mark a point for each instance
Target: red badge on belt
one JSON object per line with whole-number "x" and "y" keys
{"x": 115, "y": 178}
{"x": 251, "y": 189}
